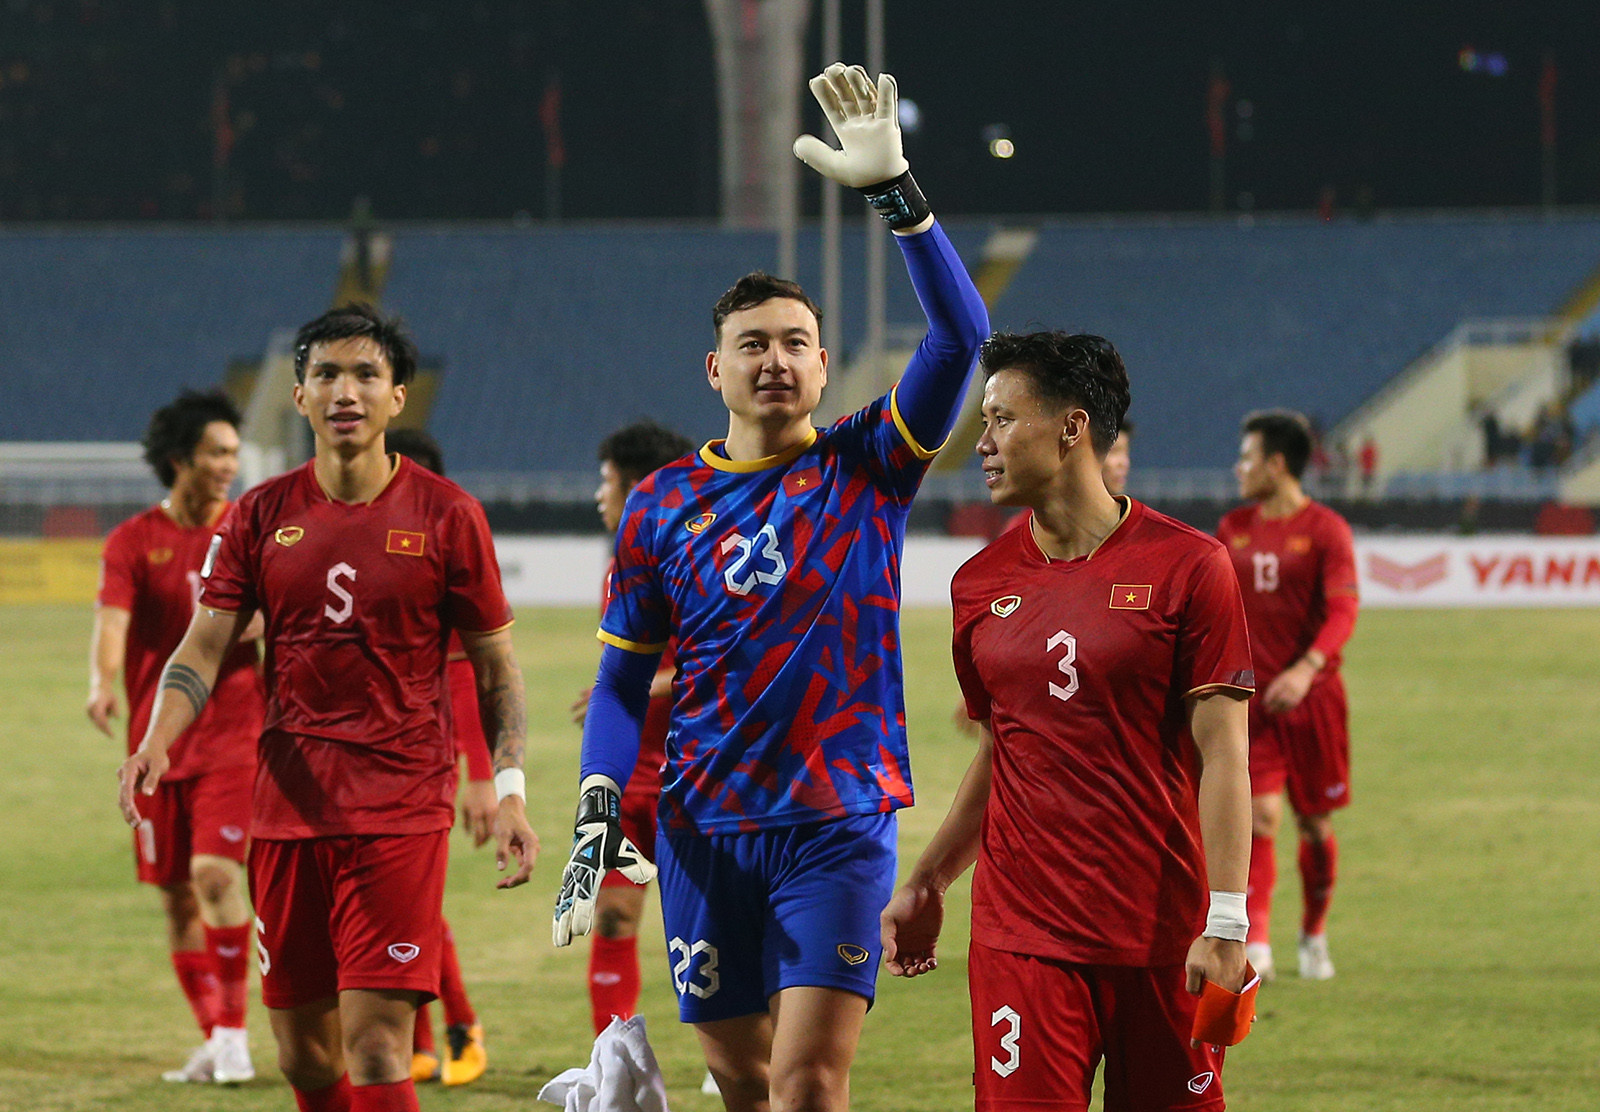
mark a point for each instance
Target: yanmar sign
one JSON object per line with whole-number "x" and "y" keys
{"x": 1470, "y": 571}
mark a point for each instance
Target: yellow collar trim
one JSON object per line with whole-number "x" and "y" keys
{"x": 721, "y": 463}
{"x": 1033, "y": 535}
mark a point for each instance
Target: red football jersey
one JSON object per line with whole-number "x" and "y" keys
{"x": 1288, "y": 568}
{"x": 359, "y": 603}
{"x": 1091, "y": 847}
{"x": 151, "y": 568}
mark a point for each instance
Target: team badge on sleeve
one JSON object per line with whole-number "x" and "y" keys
{"x": 404, "y": 543}
{"x": 1130, "y": 596}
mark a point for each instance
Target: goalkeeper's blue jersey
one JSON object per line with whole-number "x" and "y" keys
{"x": 779, "y": 581}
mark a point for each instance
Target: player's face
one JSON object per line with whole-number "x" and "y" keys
{"x": 769, "y": 365}
{"x": 349, "y": 394}
{"x": 215, "y": 464}
{"x": 1025, "y": 439}
{"x": 1254, "y": 470}
{"x": 1115, "y": 468}
{"x": 610, "y": 495}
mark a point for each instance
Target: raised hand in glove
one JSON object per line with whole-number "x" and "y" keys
{"x": 866, "y": 118}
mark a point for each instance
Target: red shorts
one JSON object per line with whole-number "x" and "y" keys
{"x": 205, "y": 814}
{"x": 354, "y": 911}
{"x": 639, "y": 824}
{"x": 1040, "y": 1028}
{"x": 1306, "y": 750}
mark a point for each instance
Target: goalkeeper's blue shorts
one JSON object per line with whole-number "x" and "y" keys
{"x": 749, "y": 914}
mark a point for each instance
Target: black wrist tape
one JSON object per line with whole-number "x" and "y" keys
{"x": 599, "y": 802}
{"x": 899, "y": 202}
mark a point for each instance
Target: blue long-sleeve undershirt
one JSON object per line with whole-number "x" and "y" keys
{"x": 616, "y": 713}
{"x": 935, "y": 382}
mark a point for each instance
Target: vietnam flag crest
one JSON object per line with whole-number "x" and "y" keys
{"x": 404, "y": 543}
{"x": 1130, "y": 596}
{"x": 801, "y": 482}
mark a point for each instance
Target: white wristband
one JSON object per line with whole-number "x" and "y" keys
{"x": 511, "y": 781}
{"x": 1227, "y": 918}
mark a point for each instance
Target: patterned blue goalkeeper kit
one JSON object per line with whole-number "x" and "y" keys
{"x": 780, "y": 579}
{"x": 778, "y": 582}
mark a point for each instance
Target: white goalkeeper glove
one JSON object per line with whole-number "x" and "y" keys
{"x": 598, "y": 845}
{"x": 867, "y": 122}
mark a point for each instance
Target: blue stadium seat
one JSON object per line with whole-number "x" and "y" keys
{"x": 551, "y": 337}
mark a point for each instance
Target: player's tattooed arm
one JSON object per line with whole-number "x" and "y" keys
{"x": 505, "y": 721}
{"x": 502, "y": 707}
{"x": 185, "y": 686}
{"x": 188, "y": 683}
{"x": 502, "y": 700}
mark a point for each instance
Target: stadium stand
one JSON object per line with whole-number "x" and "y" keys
{"x": 98, "y": 327}
{"x": 1215, "y": 318}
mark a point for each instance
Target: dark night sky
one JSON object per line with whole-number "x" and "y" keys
{"x": 431, "y": 107}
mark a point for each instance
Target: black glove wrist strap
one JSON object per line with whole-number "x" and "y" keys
{"x": 899, "y": 202}
{"x": 599, "y": 802}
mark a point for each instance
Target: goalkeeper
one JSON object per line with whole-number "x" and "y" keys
{"x": 771, "y": 560}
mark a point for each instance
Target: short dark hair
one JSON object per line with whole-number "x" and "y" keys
{"x": 1283, "y": 433}
{"x": 1069, "y": 368}
{"x": 753, "y": 289}
{"x": 176, "y": 428}
{"x": 359, "y": 319}
{"x": 639, "y": 449}
{"x": 418, "y": 446}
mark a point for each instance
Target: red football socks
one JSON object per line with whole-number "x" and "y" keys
{"x": 452, "y": 993}
{"x": 1319, "y": 866}
{"x": 613, "y": 979}
{"x": 1258, "y": 895}
{"x": 197, "y": 975}
{"x": 335, "y": 1098}
{"x": 422, "y": 1032}
{"x": 230, "y": 948}
{"x": 397, "y": 1096}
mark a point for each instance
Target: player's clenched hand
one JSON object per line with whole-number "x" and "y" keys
{"x": 598, "y": 845}
{"x": 513, "y": 837}
{"x": 1288, "y": 689}
{"x": 478, "y": 810}
{"x": 140, "y": 772}
{"x": 1217, "y": 960}
{"x": 867, "y": 121}
{"x": 910, "y": 927}
{"x": 102, "y": 708}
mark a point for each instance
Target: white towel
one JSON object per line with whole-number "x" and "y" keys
{"x": 622, "y": 1075}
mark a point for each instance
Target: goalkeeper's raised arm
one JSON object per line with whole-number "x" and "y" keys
{"x": 865, "y": 115}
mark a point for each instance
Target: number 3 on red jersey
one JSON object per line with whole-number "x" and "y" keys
{"x": 1068, "y": 644}
{"x": 347, "y": 602}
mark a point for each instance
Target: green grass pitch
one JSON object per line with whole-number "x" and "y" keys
{"x": 1464, "y": 928}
